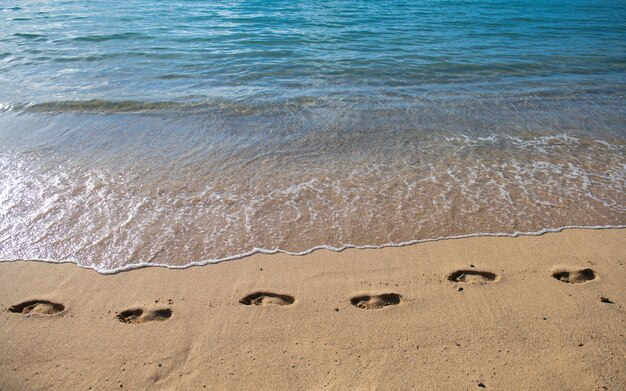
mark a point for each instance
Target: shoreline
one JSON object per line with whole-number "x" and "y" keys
{"x": 262, "y": 251}
{"x": 385, "y": 318}
{"x": 118, "y": 207}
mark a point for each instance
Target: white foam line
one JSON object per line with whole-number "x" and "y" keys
{"x": 321, "y": 247}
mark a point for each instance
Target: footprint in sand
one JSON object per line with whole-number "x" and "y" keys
{"x": 267, "y": 299}
{"x": 374, "y": 302}
{"x": 473, "y": 276}
{"x": 38, "y": 307}
{"x": 138, "y": 315}
{"x": 574, "y": 276}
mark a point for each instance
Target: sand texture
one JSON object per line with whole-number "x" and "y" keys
{"x": 527, "y": 313}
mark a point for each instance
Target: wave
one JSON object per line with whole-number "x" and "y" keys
{"x": 266, "y": 251}
{"x": 540, "y": 97}
{"x": 124, "y": 191}
{"x": 110, "y": 37}
{"x": 100, "y": 106}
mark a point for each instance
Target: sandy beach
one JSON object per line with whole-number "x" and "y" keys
{"x": 532, "y": 313}
{"x": 314, "y": 195}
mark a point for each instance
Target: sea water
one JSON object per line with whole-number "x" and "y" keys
{"x": 186, "y": 132}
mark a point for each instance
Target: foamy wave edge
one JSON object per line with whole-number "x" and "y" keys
{"x": 320, "y": 247}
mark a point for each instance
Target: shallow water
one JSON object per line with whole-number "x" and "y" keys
{"x": 181, "y": 132}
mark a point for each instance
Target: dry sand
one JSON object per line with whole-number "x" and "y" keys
{"x": 359, "y": 319}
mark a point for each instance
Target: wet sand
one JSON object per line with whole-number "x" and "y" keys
{"x": 533, "y": 313}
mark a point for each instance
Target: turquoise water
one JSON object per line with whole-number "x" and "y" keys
{"x": 259, "y": 51}
{"x": 180, "y": 132}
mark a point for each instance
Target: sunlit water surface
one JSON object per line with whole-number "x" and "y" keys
{"x": 180, "y": 132}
